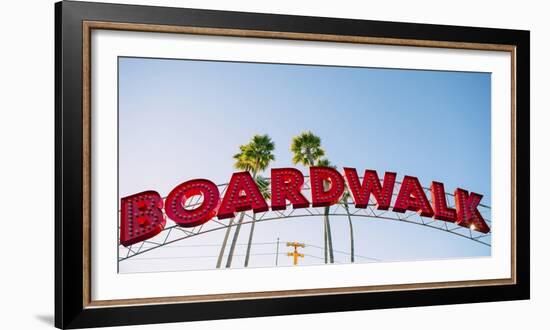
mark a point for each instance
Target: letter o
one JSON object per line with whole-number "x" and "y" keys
{"x": 174, "y": 205}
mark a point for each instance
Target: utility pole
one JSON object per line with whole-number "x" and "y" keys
{"x": 295, "y": 254}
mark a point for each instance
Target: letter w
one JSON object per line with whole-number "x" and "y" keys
{"x": 371, "y": 185}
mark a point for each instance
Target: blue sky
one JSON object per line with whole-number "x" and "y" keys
{"x": 184, "y": 119}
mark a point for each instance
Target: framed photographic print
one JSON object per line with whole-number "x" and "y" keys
{"x": 215, "y": 164}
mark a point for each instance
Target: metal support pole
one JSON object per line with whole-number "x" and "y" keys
{"x": 277, "y": 254}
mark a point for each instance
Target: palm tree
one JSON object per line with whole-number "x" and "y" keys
{"x": 307, "y": 151}
{"x": 344, "y": 201}
{"x": 328, "y": 232}
{"x": 254, "y": 157}
{"x": 243, "y": 164}
{"x": 263, "y": 185}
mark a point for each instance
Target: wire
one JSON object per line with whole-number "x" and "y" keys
{"x": 322, "y": 258}
{"x": 192, "y": 257}
{"x": 202, "y": 245}
{"x": 347, "y": 253}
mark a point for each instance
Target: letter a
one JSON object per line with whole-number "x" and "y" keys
{"x": 411, "y": 197}
{"x": 242, "y": 194}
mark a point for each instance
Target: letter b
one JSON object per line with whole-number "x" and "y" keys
{"x": 140, "y": 217}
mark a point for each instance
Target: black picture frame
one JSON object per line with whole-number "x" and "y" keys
{"x": 70, "y": 181}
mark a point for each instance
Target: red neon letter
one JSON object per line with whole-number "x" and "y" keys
{"x": 175, "y": 202}
{"x": 371, "y": 185}
{"x": 140, "y": 217}
{"x": 242, "y": 194}
{"x": 467, "y": 213}
{"x": 286, "y": 184}
{"x": 318, "y": 177}
{"x": 411, "y": 197}
{"x": 439, "y": 202}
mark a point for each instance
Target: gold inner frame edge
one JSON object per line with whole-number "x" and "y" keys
{"x": 88, "y": 26}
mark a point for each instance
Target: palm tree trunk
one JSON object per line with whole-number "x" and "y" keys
{"x": 234, "y": 241}
{"x": 328, "y": 232}
{"x": 329, "y": 254}
{"x": 251, "y": 234}
{"x": 247, "y": 258}
{"x": 352, "y": 247}
{"x": 222, "y": 250}
{"x": 329, "y": 235}
{"x": 325, "y": 239}
{"x": 237, "y": 231}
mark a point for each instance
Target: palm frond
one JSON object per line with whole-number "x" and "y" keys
{"x": 306, "y": 149}
{"x": 256, "y": 155}
{"x": 264, "y": 186}
{"x": 325, "y": 163}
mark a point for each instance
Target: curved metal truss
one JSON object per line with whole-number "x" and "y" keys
{"x": 173, "y": 233}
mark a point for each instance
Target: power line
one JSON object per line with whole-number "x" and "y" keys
{"x": 322, "y": 258}
{"x": 192, "y": 257}
{"x": 343, "y": 252}
{"x": 205, "y": 245}
{"x": 259, "y": 243}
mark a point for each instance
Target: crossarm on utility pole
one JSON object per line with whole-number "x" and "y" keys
{"x": 295, "y": 253}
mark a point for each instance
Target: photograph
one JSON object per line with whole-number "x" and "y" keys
{"x": 401, "y": 160}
